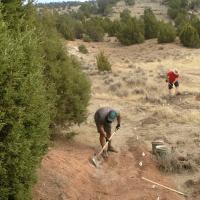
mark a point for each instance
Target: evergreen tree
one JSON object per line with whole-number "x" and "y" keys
{"x": 24, "y": 112}
{"x": 131, "y": 32}
{"x": 166, "y": 33}
{"x": 189, "y": 36}
{"x": 150, "y": 24}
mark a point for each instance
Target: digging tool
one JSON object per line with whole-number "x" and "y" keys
{"x": 95, "y": 158}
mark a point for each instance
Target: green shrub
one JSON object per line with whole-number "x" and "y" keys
{"x": 94, "y": 30}
{"x": 88, "y": 8}
{"x": 39, "y": 85}
{"x": 189, "y": 36}
{"x": 125, "y": 15}
{"x": 114, "y": 28}
{"x": 65, "y": 25}
{"x": 86, "y": 38}
{"x": 71, "y": 86}
{"x": 181, "y": 18}
{"x": 24, "y": 111}
{"x": 166, "y": 33}
{"x": 105, "y": 6}
{"x": 82, "y": 48}
{"x": 106, "y": 23}
{"x": 131, "y": 32}
{"x": 130, "y": 2}
{"x": 150, "y": 24}
{"x": 176, "y": 7}
{"x": 195, "y": 22}
{"x": 102, "y": 62}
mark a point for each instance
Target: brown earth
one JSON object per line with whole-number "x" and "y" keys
{"x": 137, "y": 88}
{"x": 66, "y": 173}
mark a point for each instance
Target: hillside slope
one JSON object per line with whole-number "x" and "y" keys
{"x": 137, "y": 88}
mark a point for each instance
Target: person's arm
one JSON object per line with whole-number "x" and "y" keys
{"x": 176, "y": 79}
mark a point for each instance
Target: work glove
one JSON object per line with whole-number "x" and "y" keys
{"x": 117, "y": 127}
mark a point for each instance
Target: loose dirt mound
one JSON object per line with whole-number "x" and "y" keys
{"x": 66, "y": 173}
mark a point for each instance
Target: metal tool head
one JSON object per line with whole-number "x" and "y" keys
{"x": 95, "y": 161}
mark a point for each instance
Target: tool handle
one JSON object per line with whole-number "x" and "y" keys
{"x": 106, "y": 143}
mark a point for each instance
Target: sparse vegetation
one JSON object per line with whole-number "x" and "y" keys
{"x": 171, "y": 164}
{"x": 82, "y": 48}
{"x": 102, "y": 62}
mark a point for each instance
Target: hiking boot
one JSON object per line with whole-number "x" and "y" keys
{"x": 105, "y": 154}
{"x": 112, "y": 149}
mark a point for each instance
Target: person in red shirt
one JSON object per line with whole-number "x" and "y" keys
{"x": 173, "y": 80}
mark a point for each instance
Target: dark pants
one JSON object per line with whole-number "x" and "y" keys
{"x": 170, "y": 85}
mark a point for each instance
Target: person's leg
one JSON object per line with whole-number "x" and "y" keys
{"x": 170, "y": 87}
{"x": 177, "y": 88}
{"x": 103, "y": 142}
{"x": 108, "y": 132}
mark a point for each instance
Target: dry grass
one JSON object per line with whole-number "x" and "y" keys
{"x": 170, "y": 163}
{"x": 138, "y": 91}
{"x": 153, "y": 98}
{"x": 122, "y": 93}
{"x": 115, "y": 86}
{"x": 190, "y": 116}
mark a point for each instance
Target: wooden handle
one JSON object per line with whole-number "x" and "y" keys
{"x": 106, "y": 144}
{"x": 168, "y": 188}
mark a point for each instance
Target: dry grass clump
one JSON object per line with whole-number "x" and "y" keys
{"x": 138, "y": 77}
{"x": 165, "y": 112}
{"x": 190, "y": 116}
{"x": 196, "y": 159}
{"x": 140, "y": 71}
{"x": 132, "y": 81}
{"x": 168, "y": 112}
{"x": 131, "y": 66}
{"x": 138, "y": 91}
{"x": 92, "y": 72}
{"x": 171, "y": 163}
{"x": 152, "y": 86}
{"x": 153, "y": 98}
{"x": 115, "y": 86}
{"x": 122, "y": 93}
{"x": 195, "y": 186}
{"x": 108, "y": 80}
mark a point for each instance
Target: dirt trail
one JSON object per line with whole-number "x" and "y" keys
{"x": 134, "y": 88}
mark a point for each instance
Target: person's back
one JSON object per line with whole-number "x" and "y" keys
{"x": 172, "y": 76}
{"x": 101, "y": 114}
{"x": 103, "y": 118}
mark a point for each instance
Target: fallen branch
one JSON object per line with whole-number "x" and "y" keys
{"x": 164, "y": 186}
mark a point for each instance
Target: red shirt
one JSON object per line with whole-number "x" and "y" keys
{"x": 171, "y": 76}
